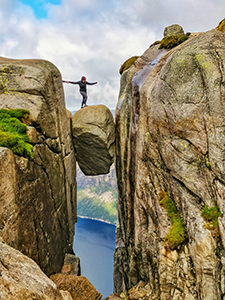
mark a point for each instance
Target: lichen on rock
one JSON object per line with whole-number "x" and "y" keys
{"x": 174, "y": 29}
{"x": 221, "y": 26}
{"x": 172, "y": 41}
{"x": 127, "y": 64}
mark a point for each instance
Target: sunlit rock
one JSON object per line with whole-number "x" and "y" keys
{"x": 170, "y": 168}
{"x": 79, "y": 287}
{"x": 21, "y": 278}
{"x": 37, "y": 211}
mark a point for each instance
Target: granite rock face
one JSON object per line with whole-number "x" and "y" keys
{"x": 38, "y": 196}
{"x": 78, "y": 286}
{"x": 71, "y": 265}
{"x": 174, "y": 29}
{"x": 140, "y": 291}
{"x": 94, "y": 139}
{"x": 21, "y": 278}
{"x": 170, "y": 138}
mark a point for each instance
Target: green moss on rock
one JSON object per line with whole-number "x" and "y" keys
{"x": 128, "y": 63}
{"x": 21, "y": 114}
{"x": 177, "y": 234}
{"x": 13, "y": 131}
{"x": 172, "y": 41}
{"x": 221, "y": 26}
{"x": 211, "y": 215}
{"x": 155, "y": 43}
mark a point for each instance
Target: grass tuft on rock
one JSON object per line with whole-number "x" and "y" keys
{"x": 13, "y": 131}
{"x": 221, "y": 26}
{"x": 211, "y": 215}
{"x": 177, "y": 234}
{"x": 128, "y": 63}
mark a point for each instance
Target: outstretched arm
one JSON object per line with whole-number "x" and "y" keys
{"x": 72, "y": 82}
{"x": 91, "y": 83}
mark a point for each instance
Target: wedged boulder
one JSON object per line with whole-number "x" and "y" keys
{"x": 94, "y": 139}
{"x": 38, "y": 195}
{"x": 21, "y": 278}
{"x": 79, "y": 287}
{"x": 170, "y": 163}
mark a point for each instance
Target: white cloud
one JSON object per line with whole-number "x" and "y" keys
{"x": 191, "y": 14}
{"x": 94, "y": 37}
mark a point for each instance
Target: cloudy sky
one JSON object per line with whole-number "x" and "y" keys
{"x": 94, "y": 37}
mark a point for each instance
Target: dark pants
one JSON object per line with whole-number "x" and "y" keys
{"x": 84, "y": 101}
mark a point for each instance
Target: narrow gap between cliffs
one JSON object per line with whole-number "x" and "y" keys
{"x": 94, "y": 240}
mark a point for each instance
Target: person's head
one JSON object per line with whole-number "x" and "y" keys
{"x": 83, "y": 78}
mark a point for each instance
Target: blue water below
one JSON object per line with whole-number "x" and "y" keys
{"x": 94, "y": 243}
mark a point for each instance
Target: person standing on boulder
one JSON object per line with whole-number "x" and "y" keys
{"x": 83, "y": 88}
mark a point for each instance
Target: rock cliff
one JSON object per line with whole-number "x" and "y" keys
{"x": 170, "y": 157}
{"x": 38, "y": 195}
{"x": 21, "y": 278}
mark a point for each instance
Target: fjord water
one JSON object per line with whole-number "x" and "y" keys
{"x": 94, "y": 243}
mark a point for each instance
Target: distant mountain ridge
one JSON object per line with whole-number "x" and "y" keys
{"x": 97, "y": 196}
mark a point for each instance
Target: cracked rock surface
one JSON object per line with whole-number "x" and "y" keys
{"x": 21, "y": 278}
{"x": 170, "y": 138}
{"x": 38, "y": 196}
